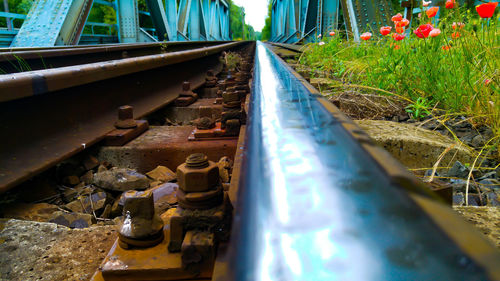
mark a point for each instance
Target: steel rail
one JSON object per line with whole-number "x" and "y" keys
{"x": 14, "y": 60}
{"x": 78, "y": 105}
{"x": 292, "y": 47}
{"x": 25, "y": 84}
{"x": 319, "y": 201}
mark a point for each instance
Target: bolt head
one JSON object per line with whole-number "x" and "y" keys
{"x": 139, "y": 204}
{"x": 125, "y": 112}
{"x": 125, "y": 118}
{"x": 186, "y": 86}
{"x": 197, "y": 179}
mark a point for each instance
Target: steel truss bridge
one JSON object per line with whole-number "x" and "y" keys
{"x": 301, "y": 21}
{"x": 61, "y": 22}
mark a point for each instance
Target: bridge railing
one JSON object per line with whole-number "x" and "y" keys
{"x": 7, "y": 33}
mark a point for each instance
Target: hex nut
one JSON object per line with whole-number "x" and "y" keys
{"x": 197, "y": 179}
{"x": 140, "y": 220}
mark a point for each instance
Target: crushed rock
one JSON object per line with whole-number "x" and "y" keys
{"x": 47, "y": 251}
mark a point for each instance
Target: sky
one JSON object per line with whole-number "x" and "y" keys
{"x": 255, "y": 12}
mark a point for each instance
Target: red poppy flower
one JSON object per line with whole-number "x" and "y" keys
{"x": 366, "y": 36}
{"x": 455, "y": 35}
{"x": 432, "y": 11}
{"x": 423, "y": 30}
{"x": 487, "y": 81}
{"x": 384, "y": 30}
{"x": 332, "y": 33}
{"x": 400, "y": 29}
{"x": 450, "y": 4}
{"x": 398, "y": 37}
{"x": 397, "y": 17}
{"x": 486, "y": 10}
{"x": 435, "y": 32}
{"x": 402, "y": 23}
{"x": 446, "y": 47}
{"x": 396, "y": 47}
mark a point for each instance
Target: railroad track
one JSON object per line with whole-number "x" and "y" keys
{"x": 314, "y": 198}
{"x": 51, "y": 114}
{"x": 13, "y": 60}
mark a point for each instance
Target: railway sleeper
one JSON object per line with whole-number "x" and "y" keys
{"x": 180, "y": 240}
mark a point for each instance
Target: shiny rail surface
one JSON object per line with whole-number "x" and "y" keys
{"x": 13, "y": 60}
{"x": 313, "y": 204}
{"x": 49, "y": 115}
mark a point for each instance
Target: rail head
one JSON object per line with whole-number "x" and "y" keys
{"x": 31, "y": 83}
{"x": 315, "y": 204}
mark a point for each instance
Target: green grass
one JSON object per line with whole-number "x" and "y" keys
{"x": 463, "y": 80}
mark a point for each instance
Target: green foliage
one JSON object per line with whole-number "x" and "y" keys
{"x": 258, "y": 35}
{"x": 16, "y": 7}
{"x": 236, "y": 17}
{"x": 459, "y": 75}
{"x": 104, "y": 14}
{"x": 266, "y": 31}
{"x": 419, "y": 109}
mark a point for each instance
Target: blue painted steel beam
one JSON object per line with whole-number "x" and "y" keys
{"x": 106, "y": 3}
{"x": 12, "y": 15}
{"x": 304, "y": 20}
{"x": 127, "y": 16}
{"x": 53, "y": 22}
{"x": 194, "y": 19}
{"x": 159, "y": 18}
{"x": 60, "y": 22}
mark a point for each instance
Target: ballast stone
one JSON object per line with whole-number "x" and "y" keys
{"x": 121, "y": 179}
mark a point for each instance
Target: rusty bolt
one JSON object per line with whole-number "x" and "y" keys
{"x": 186, "y": 86}
{"x": 125, "y": 117}
{"x": 197, "y": 160}
{"x": 210, "y": 79}
{"x": 140, "y": 219}
{"x": 233, "y": 127}
{"x": 231, "y": 105}
{"x": 198, "y": 174}
{"x": 205, "y": 111}
{"x": 230, "y": 96}
{"x": 205, "y": 123}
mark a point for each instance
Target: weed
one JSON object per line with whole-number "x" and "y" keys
{"x": 419, "y": 109}
{"x": 456, "y": 67}
{"x": 232, "y": 60}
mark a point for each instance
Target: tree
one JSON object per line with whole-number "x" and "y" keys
{"x": 16, "y": 7}
{"x": 266, "y": 31}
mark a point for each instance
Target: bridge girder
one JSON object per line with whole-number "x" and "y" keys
{"x": 61, "y": 22}
{"x": 305, "y": 20}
